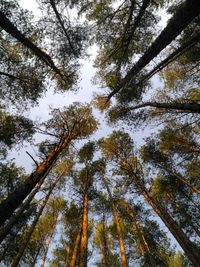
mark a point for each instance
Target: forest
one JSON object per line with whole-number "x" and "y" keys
{"x": 90, "y": 199}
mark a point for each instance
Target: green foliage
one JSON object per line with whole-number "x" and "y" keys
{"x": 14, "y": 130}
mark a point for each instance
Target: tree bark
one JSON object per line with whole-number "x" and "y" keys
{"x": 187, "y": 246}
{"x": 180, "y": 20}
{"x": 47, "y": 248}
{"x": 36, "y": 257}
{"x": 27, "y": 237}
{"x": 84, "y": 235}
{"x": 67, "y": 253}
{"x": 8, "y": 26}
{"x": 75, "y": 249}
{"x": 173, "y": 56}
{"x": 118, "y": 226}
{"x": 4, "y": 231}
{"x": 12, "y": 202}
{"x": 132, "y": 214}
{"x": 187, "y": 107}
{"x": 185, "y": 182}
{"x": 104, "y": 245}
{"x": 53, "y": 5}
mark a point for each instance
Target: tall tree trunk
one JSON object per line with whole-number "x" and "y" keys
{"x": 47, "y": 248}
{"x": 27, "y": 237}
{"x": 67, "y": 253}
{"x": 53, "y": 5}
{"x": 185, "y": 182}
{"x": 8, "y": 26}
{"x": 12, "y": 202}
{"x": 75, "y": 249}
{"x": 104, "y": 244}
{"x": 132, "y": 214}
{"x": 185, "y": 107}
{"x": 36, "y": 257}
{"x": 118, "y": 226}
{"x": 5, "y": 230}
{"x": 187, "y": 246}
{"x": 187, "y": 11}
{"x": 84, "y": 236}
{"x": 173, "y": 56}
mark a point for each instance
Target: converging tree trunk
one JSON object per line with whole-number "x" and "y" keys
{"x": 132, "y": 214}
{"x": 189, "y": 248}
{"x": 84, "y": 233}
{"x": 8, "y": 26}
{"x": 27, "y": 237}
{"x": 47, "y": 248}
{"x": 9, "y": 205}
{"x": 4, "y": 230}
{"x": 184, "y": 107}
{"x": 118, "y": 226}
{"x": 75, "y": 249}
{"x": 187, "y": 11}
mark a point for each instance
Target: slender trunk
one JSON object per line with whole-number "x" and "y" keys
{"x": 10, "y": 28}
{"x": 75, "y": 249}
{"x": 118, "y": 226}
{"x": 145, "y": 247}
{"x": 47, "y": 248}
{"x": 9, "y": 76}
{"x": 53, "y": 5}
{"x": 36, "y": 257}
{"x": 173, "y": 56}
{"x": 184, "y": 15}
{"x": 187, "y": 246}
{"x": 27, "y": 237}
{"x": 84, "y": 236}
{"x": 104, "y": 245}
{"x": 67, "y": 251}
{"x": 183, "y": 212}
{"x": 4, "y": 231}
{"x": 178, "y": 176}
{"x": 184, "y": 181}
{"x": 12, "y": 202}
{"x": 187, "y": 107}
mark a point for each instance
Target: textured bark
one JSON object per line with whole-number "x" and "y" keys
{"x": 47, "y": 248}
{"x": 185, "y": 107}
{"x": 53, "y": 5}
{"x": 36, "y": 257}
{"x": 145, "y": 247}
{"x": 118, "y": 226}
{"x": 67, "y": 252}
{"x": 84, "y": 235}
{"x": 10, "y": 28}
{"x": 4, "y": 231}
{"x": 104, "y": 245}
{"x": 188, "y": 247}
{"x": 27, "y": 237}
{"x": 185, "y": 182}
{"x": 181, "y": 19}
{"x": 12, "y": 202}
{"x": 75, "y": 249}
{"x": 9, "y": 76}
{"x": 173, "y": 56}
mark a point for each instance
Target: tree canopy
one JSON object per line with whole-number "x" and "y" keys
{"x": 126, "y": 198}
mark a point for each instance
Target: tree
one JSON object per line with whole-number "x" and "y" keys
{"x": 14, "y": 130}
{"x": 118, "y": 148}
{"x": 75, "y": 122}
